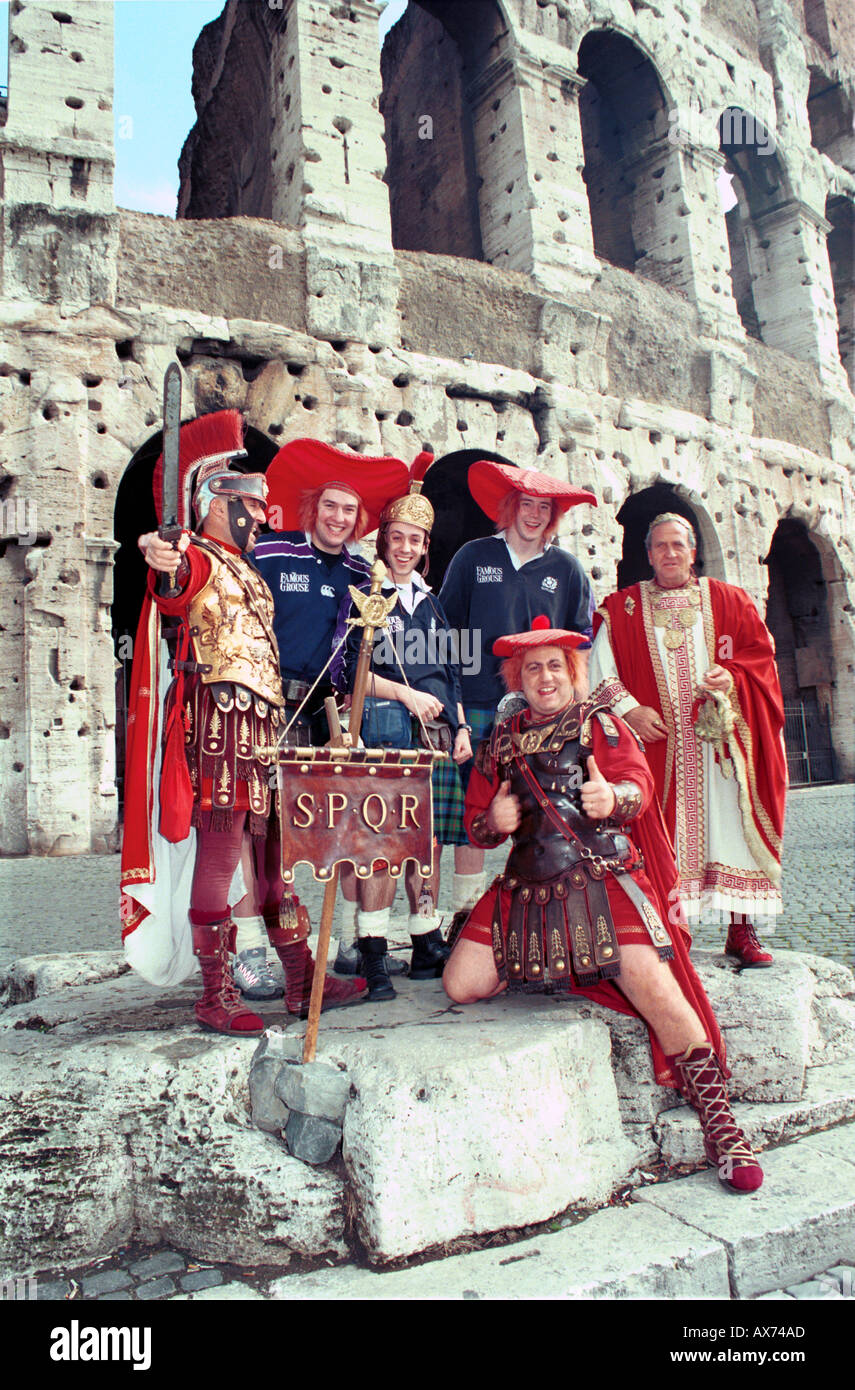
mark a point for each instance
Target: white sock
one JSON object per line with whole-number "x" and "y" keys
{"x": 420, "y": 926}
{"x": 348, "y": 917}
{"x": 373, "y": 923}
{"x": 466, "y": 890}
{"x": 251, "y": 933}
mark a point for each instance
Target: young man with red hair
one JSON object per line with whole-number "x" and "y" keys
{"x": 499, "y": 584}
{"x": 322, "y": 499}
{"x": 578, "y": 909}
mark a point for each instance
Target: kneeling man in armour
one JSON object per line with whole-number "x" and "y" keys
{"x": 584, "y": 903}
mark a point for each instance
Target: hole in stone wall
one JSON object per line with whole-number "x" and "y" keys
{"x": 75, "y": 103}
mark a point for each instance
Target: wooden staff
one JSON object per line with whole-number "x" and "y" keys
{"x": 372, "y": 617}
{"x": 310, "y": 1042}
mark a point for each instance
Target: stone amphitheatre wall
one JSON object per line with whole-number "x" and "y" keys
{"x": 283, "y": 290}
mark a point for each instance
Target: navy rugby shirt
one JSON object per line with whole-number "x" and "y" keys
{"x": 483, "y": 591}
{"x": 308, "y": 586}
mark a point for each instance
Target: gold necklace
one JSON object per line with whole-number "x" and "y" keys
{"x": 675, "y": 617}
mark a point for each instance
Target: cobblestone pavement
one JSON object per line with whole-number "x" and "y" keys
{"x": 71, "y": 904}
{"x": 143, "y": 1276}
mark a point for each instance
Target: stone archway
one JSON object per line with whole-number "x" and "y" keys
{"x": 635, "y": 516}
{"x": 429, "y": 60}
{"x": 624, "y": 116}
{"x": 798, "y": 616}
{"x": 133, "y": 516}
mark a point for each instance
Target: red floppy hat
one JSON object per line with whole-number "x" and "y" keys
{"x": 541, "y": 635}
{"x": 491, "y": 482}
{"x": 303, "y": 465}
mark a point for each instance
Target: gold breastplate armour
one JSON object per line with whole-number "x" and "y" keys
{"x": 231, "y": 626}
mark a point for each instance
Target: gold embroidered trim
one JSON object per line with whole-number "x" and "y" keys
{"x": 646, "y": 588}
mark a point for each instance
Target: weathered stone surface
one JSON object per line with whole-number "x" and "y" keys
{"x": 131, "y": 1124}
{"x": 767, "y": 1063}
{"x": 615, "y": 1253}
{"x": 314, "y": 1088}
{"x": 113, "y": 1132}
{"x": 33, "y": 976}
{"x": 505, "y": 1130}
{"x": 800, "y": 1222}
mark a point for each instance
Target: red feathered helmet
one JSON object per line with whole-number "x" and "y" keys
{"x": 206, "y": 448}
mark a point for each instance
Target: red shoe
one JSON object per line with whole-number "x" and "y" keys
{"x": 221, "y": 1009}
{"x": 299, "y": 967}
{"x": 728, "y": 1151}
{"x": 742, "y": 943}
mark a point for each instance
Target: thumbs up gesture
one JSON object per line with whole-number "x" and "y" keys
{"x": 598, "y": 797}
{"x": 503, "y": 817}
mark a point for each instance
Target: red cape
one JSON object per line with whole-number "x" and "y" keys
{"x": 738, "y": 640}
{"x": 145, "y": 720}
{"x": 623, "y": 763}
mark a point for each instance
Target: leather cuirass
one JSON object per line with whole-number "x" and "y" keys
{"x": 541, "y": 851}
{"x": 231, "y": 626}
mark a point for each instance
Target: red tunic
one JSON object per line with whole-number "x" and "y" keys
{"x": 625, "y": 763}
{"x": 737, "y": 640}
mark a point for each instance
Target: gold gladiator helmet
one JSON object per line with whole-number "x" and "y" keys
{"x": 412, "y": 508}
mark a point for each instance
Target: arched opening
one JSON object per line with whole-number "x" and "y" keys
{"x": 133, "y": 516}
{"x": 225, "y": 164}
{"x": 840, "y": 212}
{"x": 624, "y": 115}
{"x": 830, "y": 115}
{"x": 429, "y": 59}
{"x": 816, "y": 24}
{"x": 635, "y": 517}
{"x": 798, "y": 618}
{"x": 759, "y": 188}
{"x": 458, "y": 516}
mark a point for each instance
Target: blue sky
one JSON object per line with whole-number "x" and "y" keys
{"x": 153, "y": 106}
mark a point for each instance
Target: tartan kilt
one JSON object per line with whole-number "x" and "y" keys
{"x": 448, "y": 789}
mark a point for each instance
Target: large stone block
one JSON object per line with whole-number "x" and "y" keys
{"x": 511, "y": 1126}
{"x": 800, "y": 1222}
{"x": 616, "y": 1253}
{"x": 118, "y": 1126}
{"x": 765, "y": 1020}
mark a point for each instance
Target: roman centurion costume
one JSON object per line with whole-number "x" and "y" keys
{"x": 200, "y": 751}
{"x": 575, "y": 891}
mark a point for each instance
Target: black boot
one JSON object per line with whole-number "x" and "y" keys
{"x": 429, "y": 956}
{"x": 375, "y": 968}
